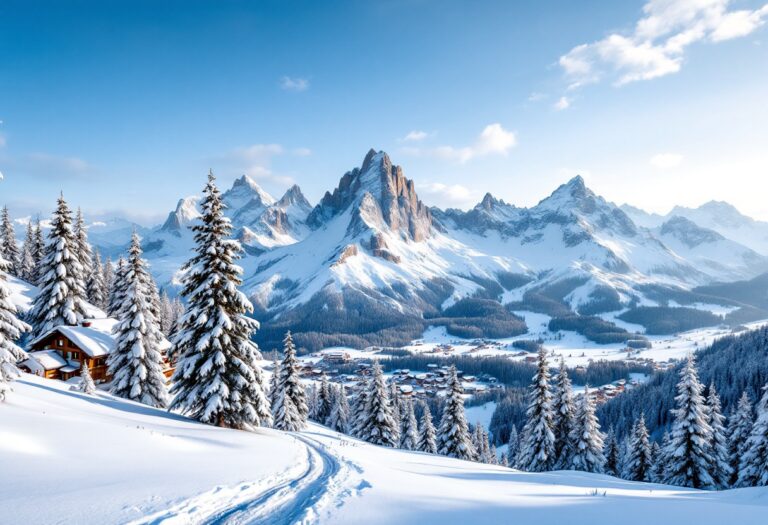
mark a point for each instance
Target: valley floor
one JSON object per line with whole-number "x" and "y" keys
{"x": 70, "y": 458}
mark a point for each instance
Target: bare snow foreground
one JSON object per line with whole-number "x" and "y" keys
{"x": 70, "y": 458}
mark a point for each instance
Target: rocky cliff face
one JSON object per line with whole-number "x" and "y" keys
{"x": 393, "y": 195}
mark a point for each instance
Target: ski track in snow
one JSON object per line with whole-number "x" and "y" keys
{"x": 291, "y": 497}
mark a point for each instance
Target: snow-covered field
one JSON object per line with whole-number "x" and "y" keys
{"x": 71, "y": 458}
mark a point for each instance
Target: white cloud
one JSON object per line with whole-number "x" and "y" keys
{"x": 302, "y": 152}
{"x": 657, "y": 44}
{"x": 297, "y": 84}
{"x": 536, "y": 96}
{"x": 665, "y": 161}
{"x": 562, "y": 103}
{"x": 493, "y": 140}
{"x": 255, "y": 161}
{"x": 415, "y": 136}
{"x": 448, "y": 194}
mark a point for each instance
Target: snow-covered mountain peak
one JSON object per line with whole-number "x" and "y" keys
{"x": 293, "y": 197}
{"x": 245, "y": 191}
{"x": 185, "y": 214}
{"x": 395, "y": 197}
{"x": 688, "y": 232}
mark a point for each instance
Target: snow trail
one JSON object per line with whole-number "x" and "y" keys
{"x": 293, "y": 497}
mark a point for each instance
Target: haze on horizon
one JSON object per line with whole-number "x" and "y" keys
{"x": 125, "y": 106}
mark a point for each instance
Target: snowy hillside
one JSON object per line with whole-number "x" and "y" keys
{"x": 140, "y": 465}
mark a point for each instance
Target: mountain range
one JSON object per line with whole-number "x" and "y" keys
{"x": 371, "y": 261}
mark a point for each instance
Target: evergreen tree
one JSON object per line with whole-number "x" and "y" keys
{"x": 274, "y": 391}
{"x": 657, "y": 462}
{"x": 28, "y": 263}
{"x": 166, "y": 314}
{"x": 357, "y": 416}
{"x": 453, "y": 437}
{"x": 564, "y": 417}
{"x": 9, "y": 249}
{"x": 117, "y": 288}
{"x": 82, "y": 246}
{"x": 339, "y": 418}
{"x": 290, "y": 380}
{"x": 95, "y": 288}
{"x": 689, "y": 455}
{"x": 739, "y": 429}
{"x": 409, "y": 429}
{"x": 638, "y": 462}
{"x": 721, "y": 467}
{"x": 217, "y": 378}
{"x": 109, "y": 276}
{"x": 312, "y": 401}
{"x": 38, "y": 253}
{"x": 136, "y": 364}
{"x": 586, "y": 438}
{"x": 481, "y": 444}
{"x": 753, "y": 467}
{"x": 11, "y": 329}
{"x": 427, "y": 436}
{"x": 663, "y": 458}
{"x": 61, "y": 300}
{"x": 379, "y": 427}
{"x": 612, "y": 465}
{"x": 537, "y": 449}
{"x": 324, "y": 401}
{"x": 87, "y": 386}
{"x": 513, "y": 447}
{"x": 394, "y": 398}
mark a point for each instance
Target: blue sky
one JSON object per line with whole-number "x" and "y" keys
{"x": 125, "y": 105}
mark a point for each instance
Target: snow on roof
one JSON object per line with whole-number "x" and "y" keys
{"x": 93, "y": 342}
{"x": 47, "y": 359}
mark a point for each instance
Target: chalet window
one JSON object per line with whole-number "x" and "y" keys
{"x": 60, "y": 342}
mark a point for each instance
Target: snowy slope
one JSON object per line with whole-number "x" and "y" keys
{"x": 71, "y": 458}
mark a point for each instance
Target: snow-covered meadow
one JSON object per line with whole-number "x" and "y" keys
{"x": 72, "y": 458}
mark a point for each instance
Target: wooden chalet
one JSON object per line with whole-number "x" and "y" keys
{"x": 61, "y": 352}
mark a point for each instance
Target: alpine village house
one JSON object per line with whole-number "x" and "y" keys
{"x": 60, "y": 352}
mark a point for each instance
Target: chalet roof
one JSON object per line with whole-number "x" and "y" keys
{"x": 93, "y": 342}
{"x": 47, "y": 359}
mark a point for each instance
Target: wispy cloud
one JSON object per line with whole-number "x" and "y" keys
{"x": 658, "y": 42}
{"x": 296, "y": 84}
{"x": 493, "y": 140}
{"x": 255, "y": 161}
{"x": 562, "y": 103}
{"x": 666, "y": 161}
{"x": 415, "y": 136}
{"x": 48, "y": 167}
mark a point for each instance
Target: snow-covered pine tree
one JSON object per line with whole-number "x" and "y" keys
{"x": 11, "y": 329}
{"x": 503, "y": 460}
{"x": 284, "y": 412}
{"x": 481, "y": 444}
{"x": 409, "y": 429}
{"x": 324, "y": 401}
{"x": 513, "y": 447}
{"x": 753, "y": 467}
{"x": 61, "y": 300}
{"x": 586, "y": 438}
{"x": 312, "y": 401}
{"x": 394, "y": 399}
{"x": 9, "y": 249}
{"x": 87, "y": 386}
{"x": 357, "y": 410}
{"x": 217, "y": 378}
{"x": 638, "y": 462}
{"x": 564, "y": 417}
{"x": 273, "y": 386}
{"x": 339, "y": 418}
{"x": 166, "y": 314}
{"x": 39, "y": 252}
{"x": 117, "y": 289}
{"x": 721, "y": 467}
{"x": 83, "y": 247}
{"x": 453, "y": 438}
{"x": 739, "y": 429}
{"x": 109, "y": 276}
{"x": 612, "y": 455}
{"x": 136, "y": 364}
{"x": 95, "y": 287}
{"x": 427, "y": 437}
{"x": 663, "y": 458}
{"x": 290, "y": 380}
{"x": 537, "y": 448}
{"x": 379, "y": 426}
{"x": 689, "y": 454}
{"x": 28, "y": 264}
{"x": 657, "y": 471}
